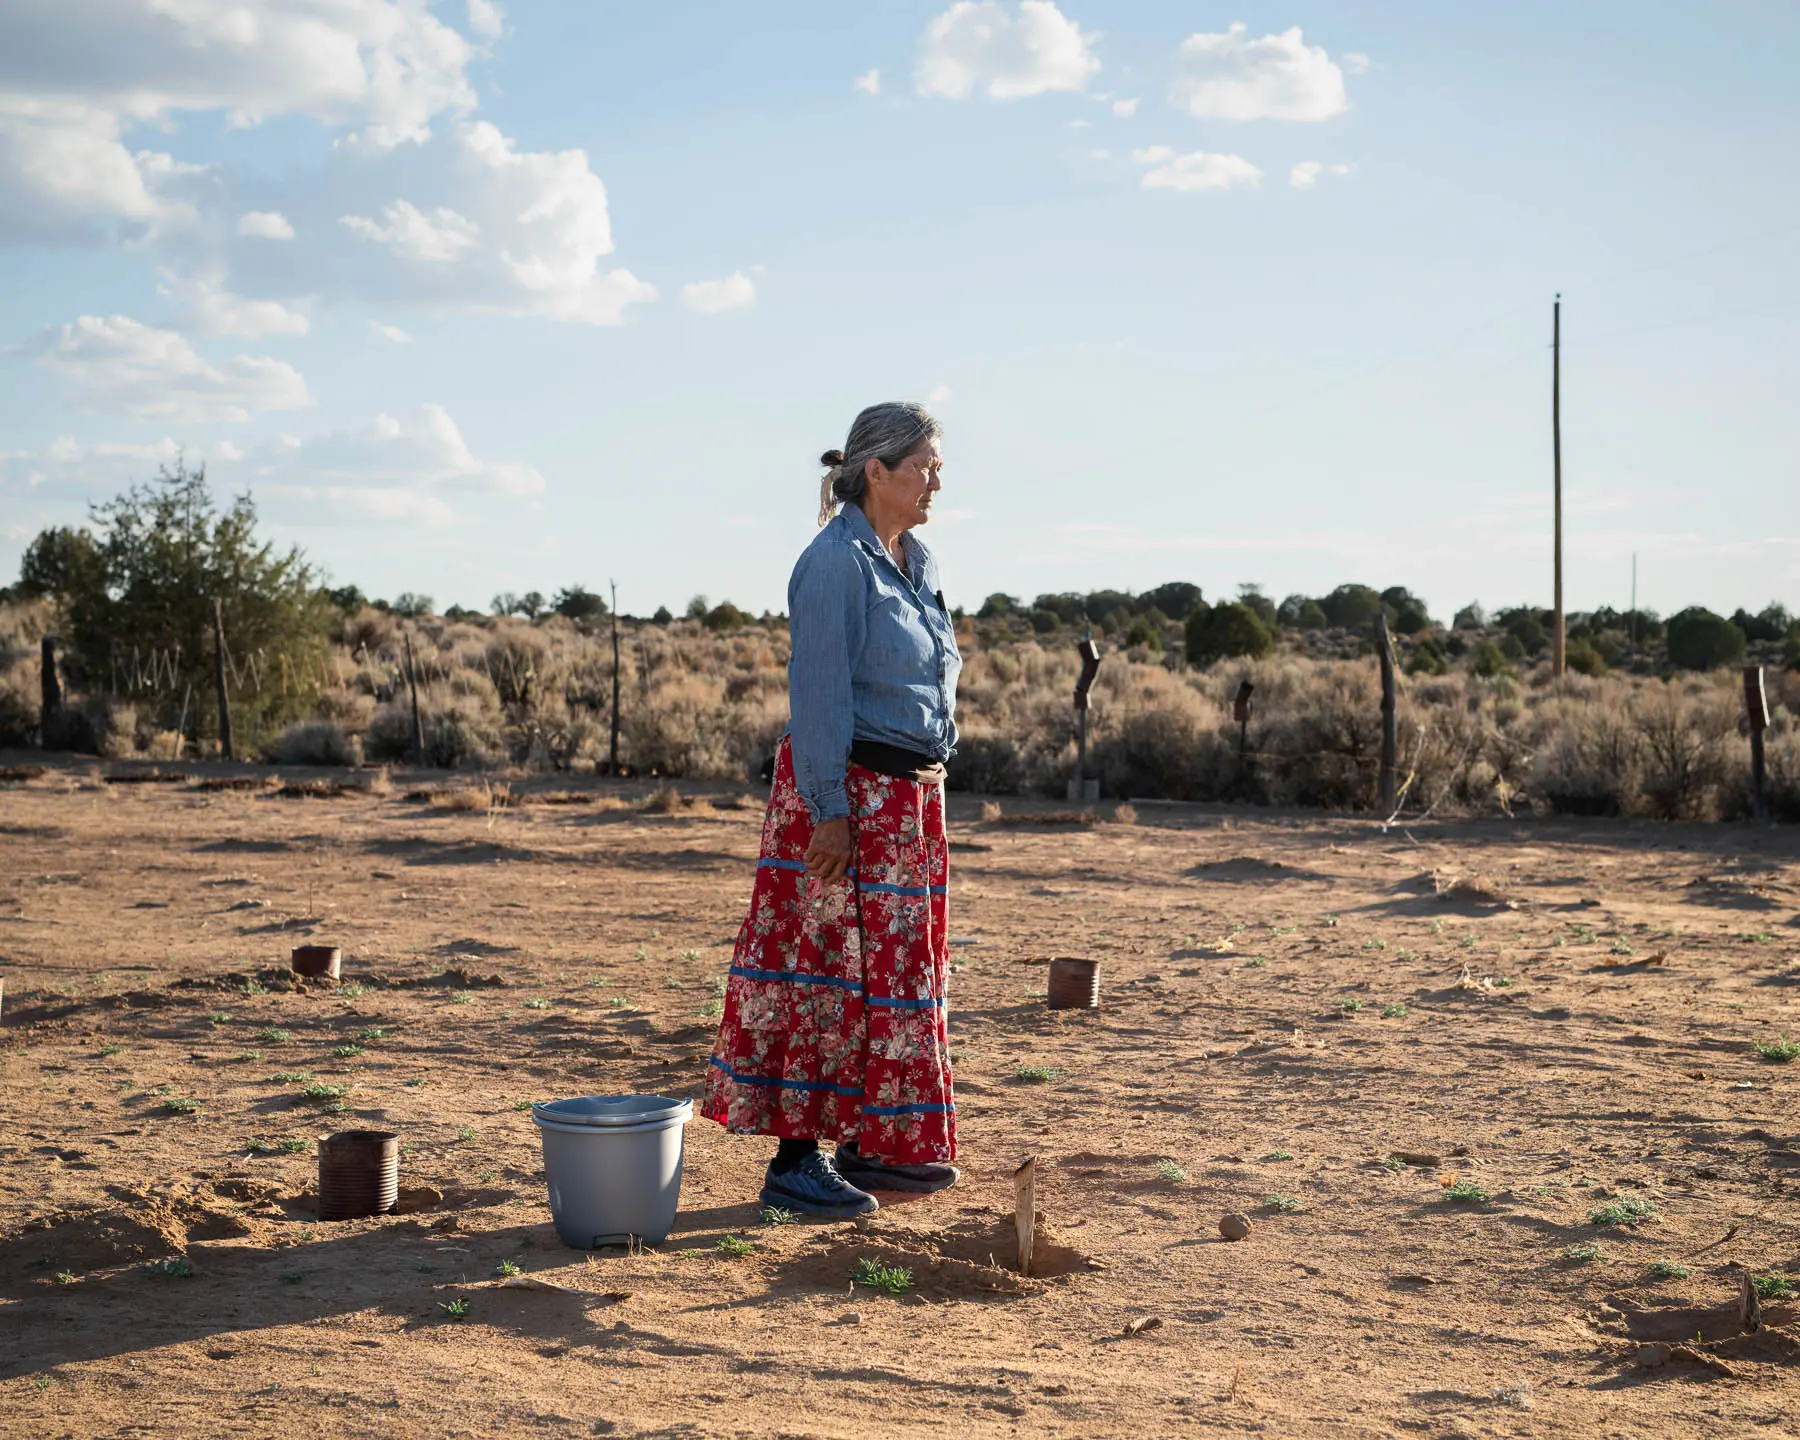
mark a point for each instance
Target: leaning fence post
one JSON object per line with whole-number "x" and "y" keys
{"x": 1390, "y": 742}
{"x": 1240, "y": 712}
{"x": 219, "y": 678}
{"x": 412, "y": 684}
{"x": 1756, "y": 705}
{"x": 50, "y": 691}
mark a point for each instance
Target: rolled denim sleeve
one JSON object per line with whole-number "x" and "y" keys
{"x": 827, "y": 622}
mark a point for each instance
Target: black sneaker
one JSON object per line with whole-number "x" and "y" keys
{"x": 814, "y": 1187}
{"x": 858, "y": 1169}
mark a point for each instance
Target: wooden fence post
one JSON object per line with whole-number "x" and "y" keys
{"x": 1390, "y": 741}
{"x": 219, "y": 678}
{"x": 612, "y": 760}
{"x": 412, "y": 684}
{"x": 50, "y": 691}
{"x": 1756, "y": 705}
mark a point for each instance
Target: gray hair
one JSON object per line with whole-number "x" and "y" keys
{"x": 888, "y": 432}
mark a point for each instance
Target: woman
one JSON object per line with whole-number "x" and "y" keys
{"x": 835, "y": 1025}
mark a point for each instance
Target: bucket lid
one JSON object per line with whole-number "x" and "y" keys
{"x": 605, "y": 1110}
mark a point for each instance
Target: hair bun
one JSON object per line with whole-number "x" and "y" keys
{"x": 832, "y": 457}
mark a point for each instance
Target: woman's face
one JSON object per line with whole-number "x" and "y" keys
{"x": 904, "y": 494}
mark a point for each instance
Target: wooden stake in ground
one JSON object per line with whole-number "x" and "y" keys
{"x": 1558, "y": 634}
{"x": 49, "y": 689}
{"x": 1386, "y": 782}
{"x": 612, "y": 761}
{"x": 1756, "y": 705}
{"x": 1025, "y": 1210}
{"x": 219, "y": 678}
{"x": 412, "y": 684}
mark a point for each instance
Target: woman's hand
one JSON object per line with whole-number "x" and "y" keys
{"x": 828, "y": 856}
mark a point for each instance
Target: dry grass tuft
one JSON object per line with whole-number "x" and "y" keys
{"x": 667, "y": 800}
{"x": 990, "y": 812}
{"x": 1125, "y": 814}
{"x": 1474, "y": 889}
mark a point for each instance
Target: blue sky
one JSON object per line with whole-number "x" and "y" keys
{"x": 479, "y": 298}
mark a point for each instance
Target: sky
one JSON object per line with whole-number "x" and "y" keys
{"x": 476, "y": 297}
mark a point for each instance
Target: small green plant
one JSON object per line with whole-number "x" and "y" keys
{"x": 66, "y": 1277}
{"x": 598, "y": 982}
{"x": 618, "y": 1002}
{"x": 176, "y": 1105}
{"x": 1774, "y": 1287}
{"x": 462, "y": 997}
{"x": 1779, "y": 1051}
{"x": 1588, "y": 1252}
{"x": 689, "y": 955}
{"x": 253, "y": 986}
{"x": 712, "y": 1010}
{"x": 1329, "y": 921}
{"x": 374, "y": 1032}
{"x": 294, "y": 1146}
{"x": 289, "y": 1077}
{"x": 414, "y": 1083}
{"x": 423, "y": 1267}
{"x": 522, "y": 1104}
{"x": 1468, "y": 941}
{"x": 1437, "y": 926}
{"x": 1629, "y": 1211}
{"x": 775, "y": 1215}
{"x": 1283, "y": 929}
{"x": 466, "y": 1134}
{"x": 1350, "y": 1007}
{"x": 250, "y": 1055}
{"x": 1585, "y": 934}
{"x": 734, "y": 1246}
{"x": 488, "y": 1176}
{"x": 1668, "y": 1270}
{"x": 292, "y": 1277}
{"x": 1403, "y": 954}
{"x": 457, "y": 1309}
{"x": 642, "y": 954}
{"x": 1391, "y": 1165}
{"x": 507, "y": 1268}
{"x": 1393, "y": 1012}
{"x": 217, "y": 1017}
{"x": 537, "y": 1003}
{"x": 1619, "y": 947}
{"x": 1277, "y": 1155}
{"x": 1762, "y": 937}
{"x": 875, "y": 1275}
{"x": 1037, "y": 1074}
{"x": 1286, "y": 1204}
{"x": 175, "y": 1267}
{"x": 111, "y": 1049}
{"x": 273, "y": 1037}
{"x": 1467, "y": 1192}
{"x": 1255, "y": 962}
{"x": 1501, "y": 981}
{"x": 353, "y": 991}
{"x": 1170, "y": 1172}
{"x": 346, "y": 1052}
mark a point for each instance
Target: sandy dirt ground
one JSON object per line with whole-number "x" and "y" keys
{"x": 1555, "y": 1022}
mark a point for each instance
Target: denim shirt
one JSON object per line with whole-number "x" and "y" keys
{"x": 874, "y": 657}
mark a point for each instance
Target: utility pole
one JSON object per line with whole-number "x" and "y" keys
{"x": 1634, "y": 602}
{"x": 218, "y": 619}
{"x": 613, "y": 756}
{"x": 1558, "y": 637}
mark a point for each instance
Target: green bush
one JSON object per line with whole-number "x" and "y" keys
{"x": 726, "y": 616}
{"x": 1351, "y": 607}
{"x": 1584, "y": 658}
{"x": 1489, "y": 660}
{"x": 1224, "y": 631}
{"x": 1142, "y": 631}
{"x": 1525, "y": 627}
{"x": 1045, "y": 622}
{"x": 314, "y": 742}
{"x": 987, "y": 766}
{"x": 1701, "y": 640}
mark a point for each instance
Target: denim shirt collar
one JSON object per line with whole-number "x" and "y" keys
{"x": 862, "y": 533}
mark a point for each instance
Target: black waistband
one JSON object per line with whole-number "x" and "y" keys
{"x": 895, "y": 760}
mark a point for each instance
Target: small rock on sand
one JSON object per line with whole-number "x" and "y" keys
{"x": 1234, "y": 1226}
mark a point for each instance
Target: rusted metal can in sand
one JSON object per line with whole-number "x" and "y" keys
{"x": 316, "y": 960}
{"x": 1074, "y": 984}
{"x": 359, "y": 1174}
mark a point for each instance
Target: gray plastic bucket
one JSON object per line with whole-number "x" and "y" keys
{"x": 613, "y": 1165}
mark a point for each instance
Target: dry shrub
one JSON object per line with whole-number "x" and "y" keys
{"x": 378, "y": 782}
{"x": 461, "y": 732}
{"x": 462, "y": 800}
{"x": 312, "y": 742}
{"x": 19, "y": 705}
{"x": 667, "y": 800}
{"x": 369, "y": 629}
{"x": 1683, "y": 736}
{"x": 1125, "y": 814}
{"x": 990, "y": 812}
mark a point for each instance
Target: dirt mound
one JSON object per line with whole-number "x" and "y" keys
{"x": 1713, "y": 1336}
{"x": 973, "y": 1256}
{"x": 144, "y": 1224}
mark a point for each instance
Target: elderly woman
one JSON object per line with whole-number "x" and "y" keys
{"x": 834, "y": 1025}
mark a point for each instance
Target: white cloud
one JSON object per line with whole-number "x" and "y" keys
{"x": 1353, "y": 62}
{"x": 1197, "y": 171}
{"x": 412, "y": 467}
{"x": 869, "y": 84}
{"x": 1124, "y": 109}
{"x": 265, "y": 225}
{"x": 709, "y": 297}
{"x": 977, "y": 43}
{"x": 434, "y": 239}
{"x": 390, "y": 332}
{"x": 122, "y": 367}
{"x": 77, "y": 75}
{"x": 204, "y": 307}
{"x": 487, "y": 19}
{"x": 1306, "y": 174}
{"x": 1276, "y": 77}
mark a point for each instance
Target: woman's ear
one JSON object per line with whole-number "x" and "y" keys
{"x": 874, "y": 470}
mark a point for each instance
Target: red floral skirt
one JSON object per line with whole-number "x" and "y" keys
{"x": 835, "y": 1024}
